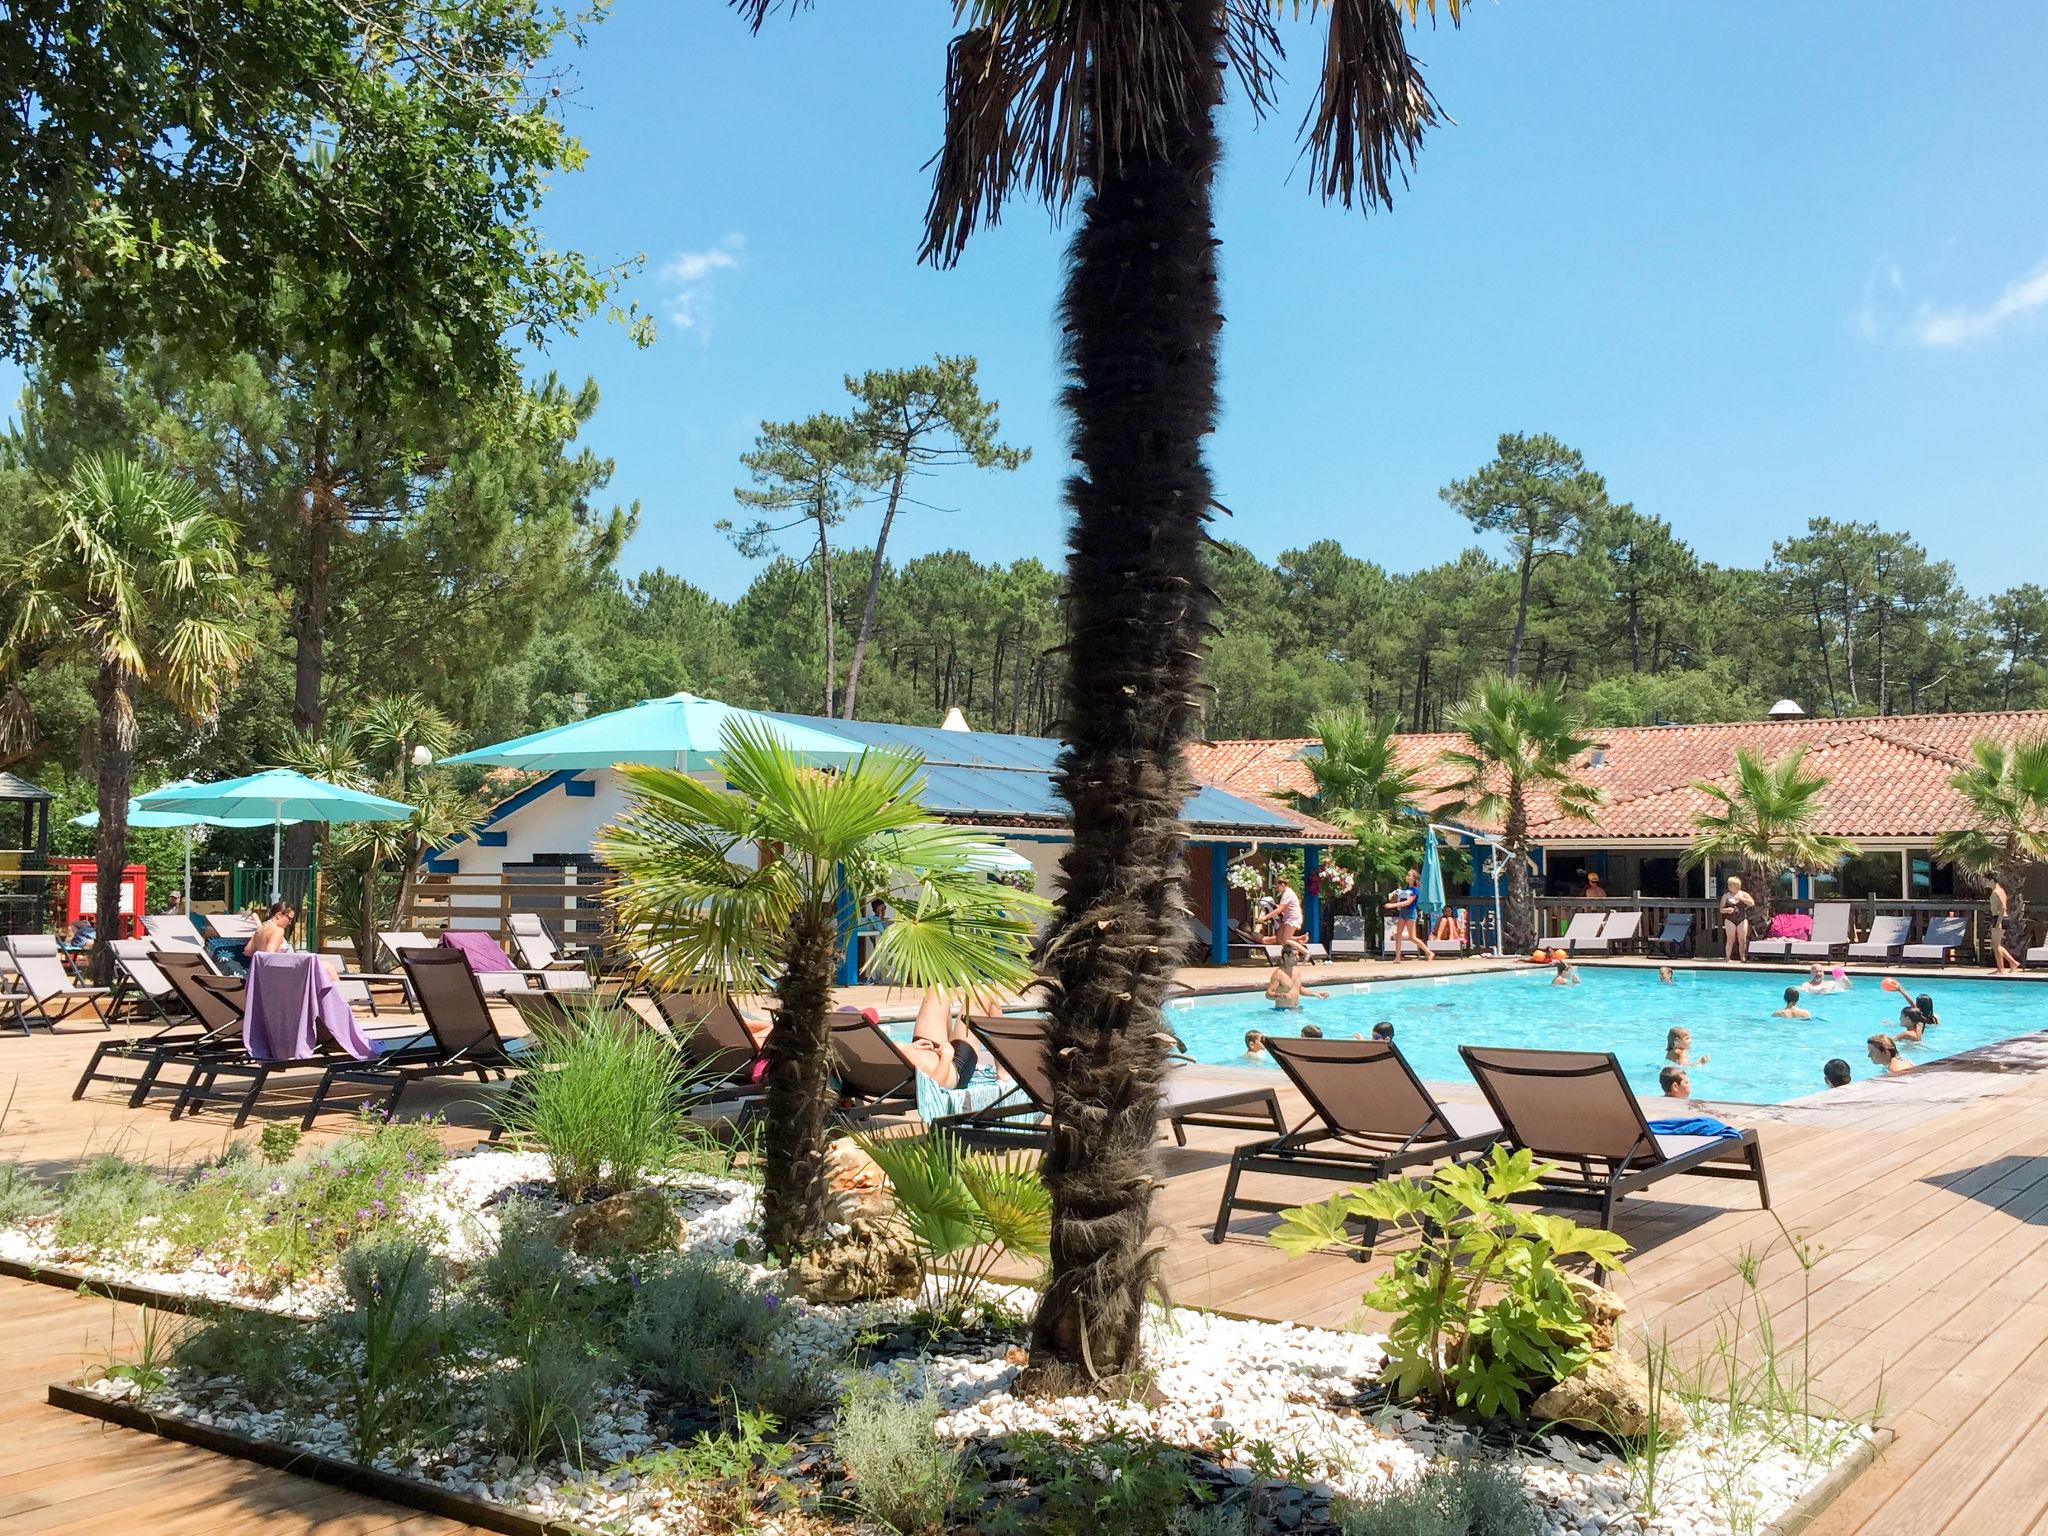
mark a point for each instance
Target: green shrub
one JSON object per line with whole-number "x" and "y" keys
{"x": 724, "y": 1475}
{"x": 388, "y": 1350}
{"x": 1121, "y": 1482}
{"x": 104, "y": 1203}
{"x": 1210, "y": 1520}
{"x": 967, "y": 1211}
{"x": 357, "y": 1186}
{"x": 527, "y": 1262}
{"x": 21, "y": 1197}
{"x": 903, "y": 1474}
{"x": 699, "y": 1330}
{"x": 538, "y": 1404}
{"x": 278, "y": 1141}
{"x": 602, "y": 1099}
{"x": 1466, "y": 1498}
{"x": 259, "y": 1351}
{"x": 1483, "y": 1318}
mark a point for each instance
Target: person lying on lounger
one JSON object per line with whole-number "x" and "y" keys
{"x": 940, "y": 1046}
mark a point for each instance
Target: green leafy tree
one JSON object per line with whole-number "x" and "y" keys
{"x": 1362, "y": 787}
{"x": 808, "y": 473}
{"x": 2006, "y": 789}
{"x": 137, "y": 576}
{"x": 1520, "y": 739}
{"x": 1540, "y": 495}
{"x": 172, "y": 166}
{"x": 914, "y": 421}
{"x": 737, "y": 883}
{"x": 1767, "y": 822}
{"x": 1040, "y": 101}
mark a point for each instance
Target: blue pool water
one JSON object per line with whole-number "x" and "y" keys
{"x": 1752, "y": 1058}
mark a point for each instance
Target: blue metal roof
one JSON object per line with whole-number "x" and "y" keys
{"x": 990, "y": 776}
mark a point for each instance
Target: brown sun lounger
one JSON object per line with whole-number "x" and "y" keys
{"x": 460, "y": 1037}
{"x": 709, "y": 1031}
{"x": 1369, "y": 1118}
{"x": 872, "y": 1069}
{"x": 1017, "y": 1043}
{"x": 1575, "y": 1109}
{"x": 185, "y": 1028}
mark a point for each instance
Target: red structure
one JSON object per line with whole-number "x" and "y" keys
{"x": 81, "y": 896}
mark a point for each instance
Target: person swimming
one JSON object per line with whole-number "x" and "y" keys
{"x": 1283, "y": 986}
{"x": 1254, "y": 1043}
{"x": 1564, "y": 975}
{"x": 1384, "y": 1030}
{"x": 1678, "y": 1048}
{"x": 1925, "y": 1003}
{"x": 1675, "y": 1083}
{"x": 1792, "y": 1010}
{"x": 1824, "y": 981}
{"x": 1311, "y": 1031}
{"x": 1836, "y": 1073}
{"x": 1884, "y": 1052}
{"x": 1667, "y": 976}
{"x": 1912, "y": 1025}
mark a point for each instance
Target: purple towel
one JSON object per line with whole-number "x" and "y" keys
{"x": 292, "y": 1003}
{"x": 483, "y": 952}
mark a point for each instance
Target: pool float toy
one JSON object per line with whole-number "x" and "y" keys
{"x": 1557, "y": 955}
{"x": 1537, "y": 957}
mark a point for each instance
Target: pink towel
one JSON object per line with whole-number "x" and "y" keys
{"x": 483, "y": 952}
{"x": 1792, "y": 925}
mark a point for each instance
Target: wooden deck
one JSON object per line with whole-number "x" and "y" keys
{"x": 1925, "y": 1198}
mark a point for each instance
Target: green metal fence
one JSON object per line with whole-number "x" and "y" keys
{"x": 249, "y": 886}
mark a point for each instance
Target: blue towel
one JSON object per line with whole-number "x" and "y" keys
{"x": 1699, "y": 1125}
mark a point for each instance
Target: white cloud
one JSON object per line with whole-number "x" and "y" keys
{"x": 1883, "y": 291}
{"x": 1957, "y": 327}
{"x": 688, "y": 278}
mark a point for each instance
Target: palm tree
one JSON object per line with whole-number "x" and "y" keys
{"x": 1767, "y": 823}
{"x": 1519, "y": 737}
{"x": 138, "y": 579}
{"x": 1042, "y": 99}
{"x": 1361, "y": 787}
{"x": 2007, "y": 792}
{"x": 716, "y": 919}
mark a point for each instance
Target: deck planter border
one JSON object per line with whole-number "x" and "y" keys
{"x": 407, "y": 1492}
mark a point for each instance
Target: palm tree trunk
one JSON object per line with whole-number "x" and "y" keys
{"x": 867, "y": 611}
{"x": 1142, "y": 320}
{"x": 115, "y": 779}
{"x": 794, "y": 1192}
{"x": 1519, "y": 916}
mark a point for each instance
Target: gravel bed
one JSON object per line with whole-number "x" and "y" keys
{"x": 1237, "y": 1393}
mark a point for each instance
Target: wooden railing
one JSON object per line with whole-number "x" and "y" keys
{"x": 572, "y": 906}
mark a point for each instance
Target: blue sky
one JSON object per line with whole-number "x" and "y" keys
{"x": 1757, "y": 266}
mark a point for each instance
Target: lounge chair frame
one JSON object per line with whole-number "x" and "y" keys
{"x": 1024, "y": 1115}
{"x": 1602, "y": 1178}
{"x": 39, "y": 962}
{"x": 1943, "y": 938}
{"x": 1331, "y": 1143}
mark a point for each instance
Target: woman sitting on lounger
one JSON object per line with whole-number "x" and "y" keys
{"x": 274, "y": 933}
{"x": 940, "y": 1046}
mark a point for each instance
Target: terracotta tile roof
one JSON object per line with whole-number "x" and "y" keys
{"x": 1888, "y": 778}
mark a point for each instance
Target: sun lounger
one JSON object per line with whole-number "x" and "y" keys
{"x": 215, "y": 1002}
{"x": 1576, "y": 1111}
{"x": 141, "y": 990}
{"x": 1830, "y": 933}
{"x": 48, "y": 992}
{"x": 1619, "y": 929}
{"x": 1944, "y": 936}
{"x": 1017, "y": 1044}
{"x": 1772, "y": 947}
{"x": 1675, "y": 935}
{"x": 2038, "y": 955}
{"x": 872, "y": 1069}
{"x": 1315, "y": 953}
{"x": 1369, "y": 1119}
{"x": 537, "y": 947}
{"x": 178, "y": 1025}
{"x": 1888, "y": 935}
{"x": 1583, "y": 927}
{"x": 296, "y": 1017}
{"x": 1436, "y": 946}
{"x": 460, "y": 1037}
{"x": 708, "y": 1029}
{"x": 1347, "y": 937}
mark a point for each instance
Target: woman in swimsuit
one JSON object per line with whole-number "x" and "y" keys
{"x": 1735, "y": 909}
{"x": 940, "y": 1046}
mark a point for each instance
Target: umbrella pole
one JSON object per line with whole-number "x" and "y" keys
{"x": 188, "y": 871}
{"x": 277, "y": 853}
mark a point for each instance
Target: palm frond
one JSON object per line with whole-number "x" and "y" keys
{"x": 1371, "y": 107}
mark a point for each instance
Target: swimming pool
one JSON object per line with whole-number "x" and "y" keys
{"x": 1752, "y": 1058}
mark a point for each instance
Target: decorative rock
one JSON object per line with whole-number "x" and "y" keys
{"x": 857, "y": 1181}
{"x": 875, "y": 1258}
{"x": 1610, "y": 1394}
{"x": 632, "y": 1221}
{"x": 1602, "y": 1309}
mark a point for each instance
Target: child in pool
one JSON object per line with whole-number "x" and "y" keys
{"x": 1667, "y": 976}
{"x": 1792, "y": 1010}
{"x": 1678, "y": 1048}
{"x": 1564, "y": 975}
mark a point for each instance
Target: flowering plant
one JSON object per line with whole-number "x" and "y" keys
{"x": 1334, "y": 880}
{"x": 1246, "y": 878}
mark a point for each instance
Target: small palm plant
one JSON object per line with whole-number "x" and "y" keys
{"x": 2006, "y": 789}
{"x": 138, "y": 579}
{"x": 967, "y": 1209}
{"x": 752, "y": 883}
{"x": 1768, "y": 823}
{"x": 1520, "y": 738}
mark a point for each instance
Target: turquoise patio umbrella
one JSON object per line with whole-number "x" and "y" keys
{"x": 682, "y": 731}
{"x": 276, "y": 795}
{"x": 140, "y": 817}
{"x": 1430, "y": 894}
